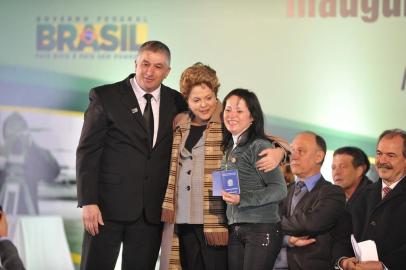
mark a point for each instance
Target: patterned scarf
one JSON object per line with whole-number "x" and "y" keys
{"x": 214, "y": 218}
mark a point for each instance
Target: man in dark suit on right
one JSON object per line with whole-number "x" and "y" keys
{"x": 379, "y": 213}
{"x": 312, "y": 210}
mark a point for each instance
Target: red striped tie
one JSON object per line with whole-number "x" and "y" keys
{"x": 386, "y": 191}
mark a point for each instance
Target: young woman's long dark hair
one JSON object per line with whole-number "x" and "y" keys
{"x": 256, "y": 129}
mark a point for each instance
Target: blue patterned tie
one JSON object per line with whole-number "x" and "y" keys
{"x": 298, "y": 187}
{"x": 300, "y": 191}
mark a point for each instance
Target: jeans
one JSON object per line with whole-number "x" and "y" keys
{"x": 253, "y": 246}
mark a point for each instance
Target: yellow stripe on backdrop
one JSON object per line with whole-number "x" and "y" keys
{"x": 41, "y": 110}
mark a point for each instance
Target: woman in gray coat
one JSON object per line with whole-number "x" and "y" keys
{"x": 254, "y": 229}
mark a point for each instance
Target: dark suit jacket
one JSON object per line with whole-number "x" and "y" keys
{"x": 318, "y": 214}
{"x": 9, "y": 256}
{"x": 357, "y": 193}
{"x": 384, "y": 222}
{"x": 116, "y": 169}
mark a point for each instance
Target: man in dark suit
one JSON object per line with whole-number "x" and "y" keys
{"x": 123, "y": 163}
{"x": 349, "y": 168}
{"x": 312, "y": 212}
{"x": 379, "y": 213}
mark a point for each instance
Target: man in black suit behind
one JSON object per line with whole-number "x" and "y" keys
{"x": 349, "y": 168}
{"x": 379, "y": 213}
{"x": 123, "y": 163}
{"x": 313, "y": 214}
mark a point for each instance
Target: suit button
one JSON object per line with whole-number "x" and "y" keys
{"x": 189, "y": 172}
{"x": 373, "y": 223}
{"x": 188, "y": 188}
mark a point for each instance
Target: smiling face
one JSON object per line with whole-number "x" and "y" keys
{"x": 236, "y": 115}
{"x": 202, "y": 102}
{"x": 390, "y": 162}
{"x": 151, "y": 68}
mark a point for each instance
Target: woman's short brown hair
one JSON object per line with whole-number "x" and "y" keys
{"x": 196, "y": 75}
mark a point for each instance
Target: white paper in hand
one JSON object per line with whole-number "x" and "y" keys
{"x": 365, "y": 250}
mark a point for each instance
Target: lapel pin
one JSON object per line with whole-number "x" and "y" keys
{"x": 134, "y": 110}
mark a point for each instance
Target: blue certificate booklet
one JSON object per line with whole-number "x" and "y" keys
{"x": 231, "y": 184}
{"x": 225, "y": 180}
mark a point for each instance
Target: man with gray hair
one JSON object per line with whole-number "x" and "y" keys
{"x": 379, "y": 214}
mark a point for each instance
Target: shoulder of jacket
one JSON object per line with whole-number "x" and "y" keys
{"x": 325, "y": 185}
{"x": 171, "y": 90}
{"x": 108, "y": 88}
{"x": 181, "y": 119}
{"x": 328, "y": 185}
{"x": 263, "y": 142}
{"x": 331, "y": 189}
{"x": 374, "y": 185}
{"x": 259, "y": 144}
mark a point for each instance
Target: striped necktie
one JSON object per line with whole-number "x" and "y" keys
{"x": 386, "y": 191}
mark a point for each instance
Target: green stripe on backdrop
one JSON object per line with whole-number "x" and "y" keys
{"x": 334, "y": 138}
{"x": 44, "y": 89}
{"x": 38, "y": 77}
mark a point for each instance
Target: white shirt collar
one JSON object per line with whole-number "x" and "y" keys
{"x": 235, "y": 139}
{"x": 139, "y": 92}
{"x": 393, "y": 185}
